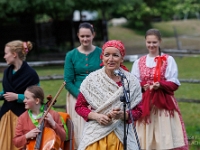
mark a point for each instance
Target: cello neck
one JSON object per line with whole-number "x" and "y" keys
{"x": 39, "y": 137}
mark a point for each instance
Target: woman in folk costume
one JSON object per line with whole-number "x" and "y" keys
{"x": 99, "y": 103}
{"x": 79, "y": 62}
{"x": 16, "y": 78}
{"x": 161, "y": 125}
{"x": 28, "y": 123}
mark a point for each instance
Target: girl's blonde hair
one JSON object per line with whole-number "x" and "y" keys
{"x": 20, "y": 47}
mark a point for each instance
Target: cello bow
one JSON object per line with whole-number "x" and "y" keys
{"x": 52, "y": 102}
{"x": 37, "y": 142}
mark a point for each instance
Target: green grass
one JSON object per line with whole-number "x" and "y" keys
{"x": 49, "y": 70}
{"x": 51, "y": 88}
{"x": 189, "y": 67}
{"x": 188, "y": 34}
{"x": 186, "y": 27}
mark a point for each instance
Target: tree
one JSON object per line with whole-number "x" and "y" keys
{"x": 141, "y": 13}
{"x": 57, "y": 9}
{"x": 188, "y": 8}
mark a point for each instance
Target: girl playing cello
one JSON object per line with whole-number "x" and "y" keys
{"x": 27, "y": 125}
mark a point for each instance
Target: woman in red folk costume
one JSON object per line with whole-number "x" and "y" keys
{"x": 161, "y": 125}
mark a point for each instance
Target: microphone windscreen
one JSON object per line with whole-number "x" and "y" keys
{"x": 116, "y": 72}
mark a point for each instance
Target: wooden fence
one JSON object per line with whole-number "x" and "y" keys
{"x": 130, "y": 58}
{"x": 60, "y": 77}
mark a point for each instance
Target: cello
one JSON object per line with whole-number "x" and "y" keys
{"x": 47, "y": 138}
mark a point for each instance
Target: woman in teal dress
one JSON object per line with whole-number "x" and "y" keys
{"x": 79, "y": 62}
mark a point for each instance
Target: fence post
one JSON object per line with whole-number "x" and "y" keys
{"x": 177, "y": 39}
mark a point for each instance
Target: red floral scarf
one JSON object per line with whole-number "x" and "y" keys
{"x": 117, "y": 44}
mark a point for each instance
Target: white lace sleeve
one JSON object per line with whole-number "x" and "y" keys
{"x": 171, "y": 73}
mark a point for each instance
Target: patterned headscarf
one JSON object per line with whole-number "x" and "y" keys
{"x": 117, "y": 44}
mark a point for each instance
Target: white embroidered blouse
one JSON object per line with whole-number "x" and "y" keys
{"x": 171, "y": 73}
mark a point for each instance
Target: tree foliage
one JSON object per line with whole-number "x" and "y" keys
{"x": 188, "y": 8}
{"x": 140, "y": 13}
{"x": 56, "y": 9}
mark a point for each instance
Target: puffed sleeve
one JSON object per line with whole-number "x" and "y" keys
{"x": 135, "y": 69}
{"x": 82, "y": 107}
{"x": 171, "y": 73}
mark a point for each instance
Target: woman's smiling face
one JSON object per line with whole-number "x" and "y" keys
{"x": 112, "y": 58}
{"x": 29, "y": 101}
{"x": 85, "y": 36}
{"x": 152, "y": 44}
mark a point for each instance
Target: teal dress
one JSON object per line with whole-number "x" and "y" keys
{"x": 77, "y": 67}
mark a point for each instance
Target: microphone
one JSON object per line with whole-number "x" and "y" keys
{"x": 117, "y": 72}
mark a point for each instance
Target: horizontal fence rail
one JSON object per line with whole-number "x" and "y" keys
{"x": 181, "y": 51}
{"x": 189, "y": 81}
{"x": 39, "y": 63}
{"x": 130, "y": 58}
{"x": 188, "y": 100}
{"x": 61, "y": 77}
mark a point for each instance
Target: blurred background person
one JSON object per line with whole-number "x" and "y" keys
{"x": 161, "y": 125}
{"x": 79, "y": 62}
{"x": 101, "y": 90}
{"x": 16, "y": 78}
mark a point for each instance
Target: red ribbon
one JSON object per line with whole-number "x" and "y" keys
{"x": 25, "y": 47}
{"x": 159, "y": 61}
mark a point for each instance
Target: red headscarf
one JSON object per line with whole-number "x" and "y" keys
{"x": 117, "y": 44}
